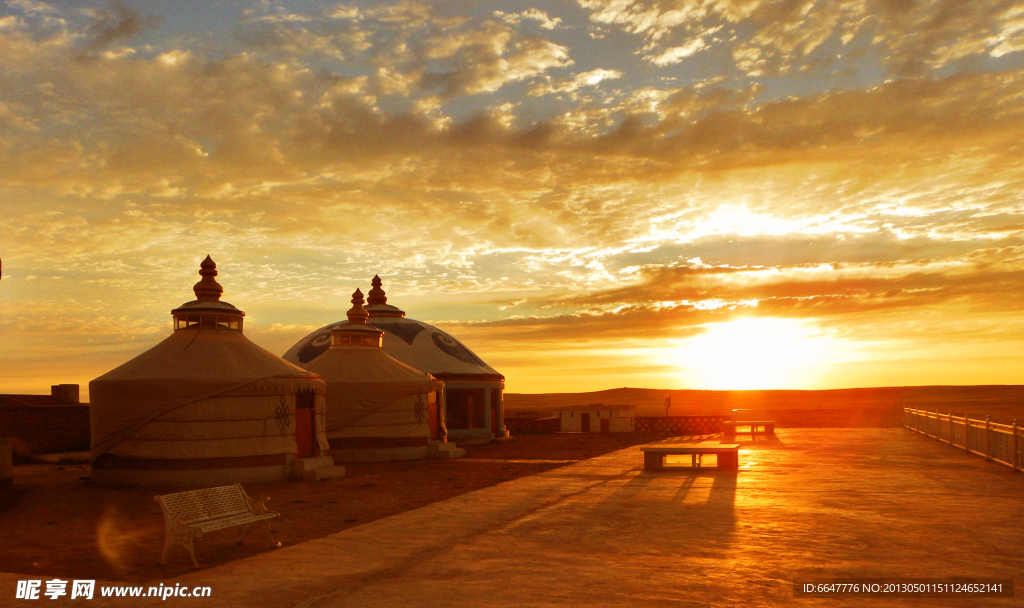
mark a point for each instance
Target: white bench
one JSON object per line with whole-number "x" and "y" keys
{"x": 756, "y": 427}
{"x": 190, "y": 515}
{"x": 727, "y": 454}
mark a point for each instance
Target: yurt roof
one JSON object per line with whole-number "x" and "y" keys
{"x": 365, "y": 363}
{"x": 414, "y": 343}
{"x": 204, "y": 355}
{"x": 363, "y": 380}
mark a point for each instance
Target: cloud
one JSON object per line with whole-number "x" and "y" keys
{"x": 486, "y": 60}
{"x": 694, "y": 102}
{"x": 532, "y": 14}
{"x": 649, "y": 19}
{"x": 830, "y": 289}
{"x": 681, "y": 301}
{"x": 116, "y": 22}
{"x": 878, "y": 119}
{"x": 583, "y": 79}
{"x": 286, "y": 36}
{"x": 470, "y": 158}
{"x": 676, "y": 54}
{"x": 242, "y": 126}
{"x": 776, "y": 36}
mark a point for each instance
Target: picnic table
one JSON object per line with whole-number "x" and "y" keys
{"x": 727, "y": 454}
{"x": 755, "y": 427}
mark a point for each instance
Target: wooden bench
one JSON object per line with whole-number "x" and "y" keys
{"x": 726, "y": 453}
{"x": 756, "y": 427}
{"x": 190, "y": 515}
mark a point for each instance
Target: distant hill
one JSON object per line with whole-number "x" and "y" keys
{"x": 1002, "y": 402}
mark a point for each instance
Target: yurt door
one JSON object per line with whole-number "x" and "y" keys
{"x": 433, "y": 420}
{"x": 305, "y": 425}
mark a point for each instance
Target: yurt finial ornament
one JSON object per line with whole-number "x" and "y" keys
{"x": 356, "y": 332}
{"x": 376, "y": 294}
{"x": 357, "y": 315}
{"x": 207, "y": 311}
{"x": 208, "y": 289}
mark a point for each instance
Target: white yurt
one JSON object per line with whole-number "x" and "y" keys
{"x": 472, "y": 389}
{"x": 377, "y": 407}
{"x": 206, "y": 406}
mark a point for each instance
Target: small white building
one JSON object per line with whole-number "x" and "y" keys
{"x": 596, "y": 418}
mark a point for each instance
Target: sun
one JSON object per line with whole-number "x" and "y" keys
{"x": 755, "y": 353}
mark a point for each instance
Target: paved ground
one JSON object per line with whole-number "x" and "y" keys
{"x": 815, "y": 502}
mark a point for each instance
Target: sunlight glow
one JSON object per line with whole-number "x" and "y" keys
{"x": 749, "y": 354}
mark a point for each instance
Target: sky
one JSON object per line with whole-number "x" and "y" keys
{"x": 589, "y": 194}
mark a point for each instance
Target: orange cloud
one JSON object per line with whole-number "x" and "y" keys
{"x": 875, "y": 175}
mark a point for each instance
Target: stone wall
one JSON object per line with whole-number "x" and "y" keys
{"x": 679, "y": 425}
{"x": 6, "y": 464}
{"x": 533, "y": 425}
{"x": 46, "y": 429}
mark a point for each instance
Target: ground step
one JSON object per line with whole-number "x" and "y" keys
{"x": 444, "y": 451}
{"x": 316, "y": 469}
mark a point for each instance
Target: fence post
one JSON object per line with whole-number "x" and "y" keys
{"x": 1016, "y": 448}
{"x": 952, "y": 442}
{"x": 967, "y": 432}
{"x": 988, "y": 437}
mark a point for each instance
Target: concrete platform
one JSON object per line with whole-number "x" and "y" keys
{"x": 814, "y": 502}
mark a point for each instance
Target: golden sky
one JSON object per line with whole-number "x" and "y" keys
{"x": 589, "y": 194}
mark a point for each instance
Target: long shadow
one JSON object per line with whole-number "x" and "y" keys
{"x": 711, "y": 524}
{"x": 664, "y": 514}
{"x": 723, "y": 493}
{"x": 638, "y": 493}
{"x": 721, "y": 498}
{"x": 704, "y": 527}
{"x": 631, "y": 488}
{"x": 723, "y": 487}
{"x": 685, "y": 487}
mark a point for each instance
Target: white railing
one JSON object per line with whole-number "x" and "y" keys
{"x": 1002, "y": 443}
